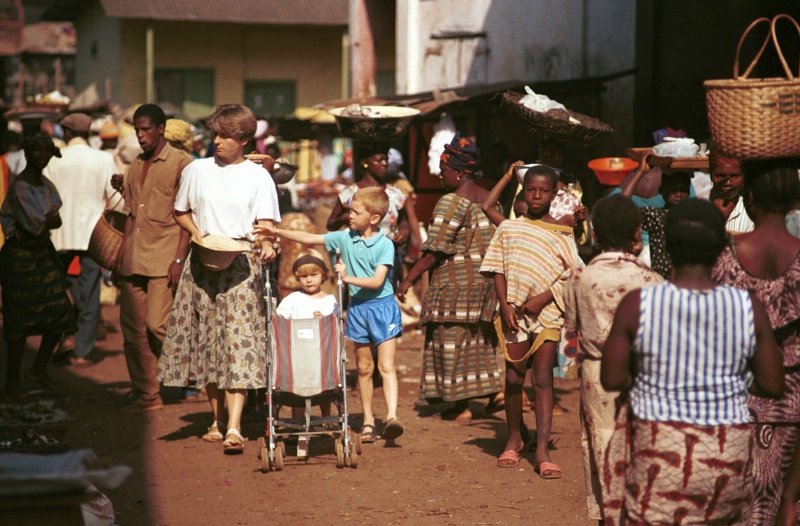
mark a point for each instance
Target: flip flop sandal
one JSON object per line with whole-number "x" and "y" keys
{"x": 368, "y": 437}
{"x": 233, "y": 443}
{"x": 548, "y": 470}
{"x": 508, "y": 459}
{"x": 392, "y": 429}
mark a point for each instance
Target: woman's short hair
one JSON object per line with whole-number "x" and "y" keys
{"x": 695, "y": 232}
{"x": 542, "y": 169}
{"x": 772, "y": 185}
{"x": 374, "y": 199}
{"x": 308, "y": 264}
{"x": 234, "y": 121}
{"x": 615, "y": 220}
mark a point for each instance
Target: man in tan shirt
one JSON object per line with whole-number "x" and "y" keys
{"x": 152, "y": 254}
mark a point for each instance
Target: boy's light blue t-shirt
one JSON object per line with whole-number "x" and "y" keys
{"x": 362, "y": 257}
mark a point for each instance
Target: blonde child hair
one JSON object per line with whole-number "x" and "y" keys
{"x": 374, "y": 199}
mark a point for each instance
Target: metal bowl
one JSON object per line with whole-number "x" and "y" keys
{"x": 282, "y": 171}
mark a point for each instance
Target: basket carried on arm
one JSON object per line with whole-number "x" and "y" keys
{"x": 106, "y": 236}
{"x": 561, "y": 125}
{"x": 756, "y": 118}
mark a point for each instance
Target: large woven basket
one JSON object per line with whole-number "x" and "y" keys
{"x": 756, "y": 118}
{"x": 561, "y": 125}
{"x": 107, "y": 238}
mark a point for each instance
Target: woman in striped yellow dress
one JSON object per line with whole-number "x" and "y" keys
{"x": 459, "y": 356}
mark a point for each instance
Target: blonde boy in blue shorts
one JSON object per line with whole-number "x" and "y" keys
{"x": 373, "y": 317}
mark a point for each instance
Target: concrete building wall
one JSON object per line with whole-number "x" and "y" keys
{"x": 98, "y": 50}
{"x": 450, "y": 43}
{"x": 236, "y": 53}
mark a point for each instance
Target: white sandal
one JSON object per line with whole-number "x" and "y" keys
{"x": 213, "y": 434}
{"x": 234, "y": 442}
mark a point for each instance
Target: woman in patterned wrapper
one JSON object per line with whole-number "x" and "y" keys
{"x": 459, "y": 356}
{"x": 766, "y": 262}
{"x": 686, "y": 352}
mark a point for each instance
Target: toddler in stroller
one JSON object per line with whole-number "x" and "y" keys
{"x": 306, "y": 367}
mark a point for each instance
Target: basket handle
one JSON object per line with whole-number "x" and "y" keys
{"x": 778, "y": 49}
{"x": 755, "y": 60}
{"x": 108, "y": 201}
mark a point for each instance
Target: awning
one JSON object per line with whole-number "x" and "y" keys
{"x": 431, "y": 102}
{"x": 263, "y": 12}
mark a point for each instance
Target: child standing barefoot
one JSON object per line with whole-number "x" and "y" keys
{"x": 531, "y": 258}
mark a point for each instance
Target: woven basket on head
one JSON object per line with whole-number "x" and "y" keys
{"x": 555, "y": 124}
{"x": 756, "y": 118}
{"x": 106, "y": 237}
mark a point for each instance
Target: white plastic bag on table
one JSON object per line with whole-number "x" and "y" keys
{"x": 676, "y": 147}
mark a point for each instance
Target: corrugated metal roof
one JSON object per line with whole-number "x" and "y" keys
{"x": 269, "y": 12}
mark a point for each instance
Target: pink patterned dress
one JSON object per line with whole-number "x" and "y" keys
{"x": 776, "y": 421}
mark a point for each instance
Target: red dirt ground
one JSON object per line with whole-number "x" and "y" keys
{"x": 439, "y": 473}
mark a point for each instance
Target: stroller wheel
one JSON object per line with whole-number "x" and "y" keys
{"x": 353, "y": 455}
{"x": 280, "y": 452}
{"x": 263, "y": 455}
{"x": 355, "y": 439}
{"x": 339, "y": 452}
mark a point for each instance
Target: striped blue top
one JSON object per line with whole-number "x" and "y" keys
{"x": 693, "y": 349}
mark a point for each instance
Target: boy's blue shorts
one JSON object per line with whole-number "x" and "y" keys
{"x": 373, "y": 321}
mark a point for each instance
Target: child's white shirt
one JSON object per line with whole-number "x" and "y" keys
{"x": 298, "y": 306}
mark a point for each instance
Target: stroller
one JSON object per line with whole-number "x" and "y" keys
{"x": 306, "y": 365}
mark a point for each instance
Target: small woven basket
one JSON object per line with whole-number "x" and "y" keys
{"x": 107, "y": 238}
{"x": 555, "y": 124}
{"x": 756, "y": 118}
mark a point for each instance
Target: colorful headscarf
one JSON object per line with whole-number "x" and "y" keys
{"x": 462, "y": 155}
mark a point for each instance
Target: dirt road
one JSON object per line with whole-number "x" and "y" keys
{"x": 439, "y": 473}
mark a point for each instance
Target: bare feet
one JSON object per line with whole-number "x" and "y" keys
{"x": 459, "y": 415}
{"x": 79, "y": 361}
{"x": 40, "y": 378}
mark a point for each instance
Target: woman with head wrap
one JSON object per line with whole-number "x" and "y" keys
{"x": 459, "y": 355}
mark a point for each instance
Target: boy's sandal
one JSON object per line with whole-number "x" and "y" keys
{"x": 548, "y": 470}
{"x": 508, "y": 459}
{"x": 234, "y": 442}
{"x": 393, "y": 429}
{"x": 213, "y": 434}
{"x": 368, "y": 434}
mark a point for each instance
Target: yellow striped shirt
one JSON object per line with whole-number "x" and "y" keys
{"x": 534, "y": 256}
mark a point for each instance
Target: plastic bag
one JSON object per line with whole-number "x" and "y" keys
{"x": 97, "y": 510}
{"x": 541, "y": 103}
{"x": 673, "y": 147}
{"x": 443, "y": 133}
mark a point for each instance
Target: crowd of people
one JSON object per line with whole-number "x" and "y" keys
{"x": 689, "y": 350}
